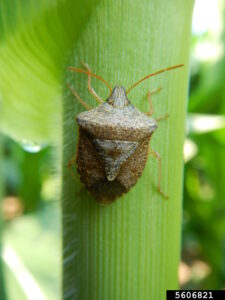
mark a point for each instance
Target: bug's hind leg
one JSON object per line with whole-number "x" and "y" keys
{"x": 157, "y": 156}
{"x": 82, "y": 102}
{"x": 90, "y": 88}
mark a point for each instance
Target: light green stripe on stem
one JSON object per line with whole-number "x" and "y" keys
{"x": 131, "y": 248}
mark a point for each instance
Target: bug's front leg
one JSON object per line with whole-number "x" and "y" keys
{"x": 82, "y": 102}
{"x": 90, "y": 88}
{"x": 150, "y": 93}
{"x": 157, "y": 156}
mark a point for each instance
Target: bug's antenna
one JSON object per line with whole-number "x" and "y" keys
{"x": 153, "y": 74}
{"x": 92, "y": 74}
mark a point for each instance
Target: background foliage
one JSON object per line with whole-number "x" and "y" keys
{"x": 204, "y": 189}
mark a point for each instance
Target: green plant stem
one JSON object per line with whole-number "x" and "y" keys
{"x": 130, "y": 249}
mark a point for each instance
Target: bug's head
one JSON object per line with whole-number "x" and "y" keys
{"x": 118, "y": 98}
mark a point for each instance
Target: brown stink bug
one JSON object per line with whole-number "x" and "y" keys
{"x": 114, "y": 140}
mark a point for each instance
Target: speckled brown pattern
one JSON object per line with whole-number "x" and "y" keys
{"x": 113, "y": 146}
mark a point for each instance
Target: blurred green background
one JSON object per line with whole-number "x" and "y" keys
{"x": 30, "y": 211}
{"x": 203, "y": 252}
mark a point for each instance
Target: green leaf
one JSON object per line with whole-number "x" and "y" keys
{"x": 36, "y": 38}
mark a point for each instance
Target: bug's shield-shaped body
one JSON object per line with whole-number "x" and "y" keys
{"x": 113, "y": 146}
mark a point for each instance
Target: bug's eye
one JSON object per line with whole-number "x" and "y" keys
{"x": 111, "y": 101}
{"x": 118, "y": 103}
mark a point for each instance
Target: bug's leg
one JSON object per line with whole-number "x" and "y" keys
{"x": 90, "y": 88}
{"x": 150, "y": 101}
{"x": 157, "y": 156}
{"x": 150, "y": 104}
{"x": 82, "y": 102}
{"x": 70, "y": 164}
{"x": 164, "y": 117}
